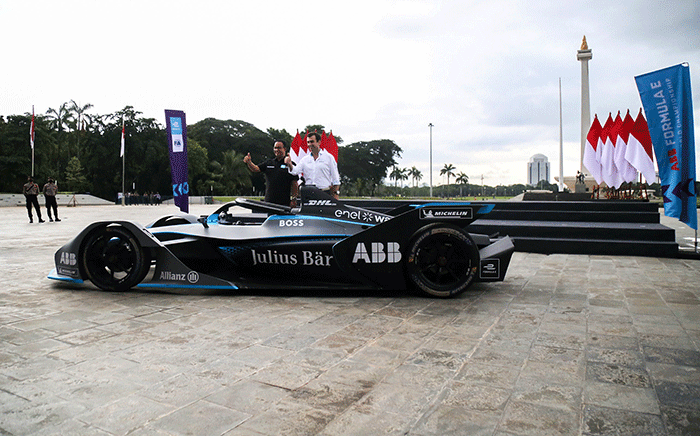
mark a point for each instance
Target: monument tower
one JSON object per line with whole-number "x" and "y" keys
{"x": 584, "y": 55}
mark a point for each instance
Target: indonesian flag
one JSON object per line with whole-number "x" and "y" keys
{"x": 332, "y": 146}
{"x": 639, "y": 149}
{"x": 626, "y": 170}
{"x": 31, "y": 130}
{"x": 592, "y": 151}
{"x": 607, "y": 163}
{"x": 298, "y": 148}
{"x": 121, "y": 153}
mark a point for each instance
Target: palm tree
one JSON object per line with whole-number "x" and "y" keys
{"x": 462, "y": 179}
{"x": 448, "y": 170}
{"x": 415, "y": 175}
{"x": 58, "y": 119}
{"x": 78, "y": 119}
{"x": 78, "y": 116}
{"x": 398, "y": 174}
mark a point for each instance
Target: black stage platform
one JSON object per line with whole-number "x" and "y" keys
{"x": 603, "y": 227}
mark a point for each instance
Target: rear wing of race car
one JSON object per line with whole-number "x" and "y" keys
{"x": 375, "y": 255}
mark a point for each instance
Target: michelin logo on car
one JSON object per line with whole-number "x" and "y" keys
{"x": 433, "y": 213}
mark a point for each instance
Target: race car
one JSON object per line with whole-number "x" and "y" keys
{"x": 324, "y": 243}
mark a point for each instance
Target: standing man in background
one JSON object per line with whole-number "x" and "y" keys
{"x": 50, "y": 190}
{"x": 31, "y": 191}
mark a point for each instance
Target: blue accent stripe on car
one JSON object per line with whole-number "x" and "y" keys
{"x": 65, "y": 279}
{"x": 169, "y": 286}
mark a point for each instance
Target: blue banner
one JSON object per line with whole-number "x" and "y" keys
{"x": 668, "y": 105}
{"x": 177, "y": 144}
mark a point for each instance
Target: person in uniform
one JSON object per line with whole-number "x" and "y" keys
{"x": 50, "y": 190}
{"x": 31, "y": 192}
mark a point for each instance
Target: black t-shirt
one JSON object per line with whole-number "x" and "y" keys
{"x": 278, "y": 181}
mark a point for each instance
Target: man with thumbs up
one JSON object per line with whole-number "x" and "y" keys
{"x": 279, "y": 183}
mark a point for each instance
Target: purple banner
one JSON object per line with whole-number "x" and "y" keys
{"x": 177, "y": 144}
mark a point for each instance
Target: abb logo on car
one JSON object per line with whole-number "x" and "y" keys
{"x": 68, "y": 259}
{"x": 377, "y": 254}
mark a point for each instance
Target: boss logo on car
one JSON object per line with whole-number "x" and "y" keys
{"x": 68, "y": 259}
{"x": 291, "y": 223}
{"x": 432, "y": 213}
{"x": 377, "y": 253}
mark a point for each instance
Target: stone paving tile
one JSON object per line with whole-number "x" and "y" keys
{"x": 521, "y": 418}
{"x": 617, "y": 374}
{"x": 603, "y": 421}
{"x": 623, "y": 397}
{"x": 680, "y": 421}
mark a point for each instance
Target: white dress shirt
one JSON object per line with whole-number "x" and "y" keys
{"x": 321, "y": 172}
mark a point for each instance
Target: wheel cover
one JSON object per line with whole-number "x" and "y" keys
{"x": 442, "y": 261}
{"x": 113, "y": 260}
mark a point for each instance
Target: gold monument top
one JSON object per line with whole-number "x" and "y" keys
{"x": 584, "y": 44}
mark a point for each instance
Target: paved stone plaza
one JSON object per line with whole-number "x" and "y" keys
{"x": 567, "y": 345}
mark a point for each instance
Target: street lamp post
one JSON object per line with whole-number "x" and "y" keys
{"x": 431, "y": 158}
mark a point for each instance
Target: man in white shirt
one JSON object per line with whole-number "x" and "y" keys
{"x": 318, "y": 167}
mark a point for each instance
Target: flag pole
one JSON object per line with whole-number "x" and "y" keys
{"x": 561, "y": 144}
{"x": 123, "y": 153}
{"x": 31, "y": 139}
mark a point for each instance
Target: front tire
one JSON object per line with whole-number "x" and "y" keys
{"x": 113, "y": 260}
{"x": 442, "y": 260}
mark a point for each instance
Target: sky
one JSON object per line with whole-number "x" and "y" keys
{"x": 484, "y": 73}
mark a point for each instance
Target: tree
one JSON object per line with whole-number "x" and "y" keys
{"x": 75, "y": 179}
{"x": 398, "y": 174}
{"x": 463, "y": 180}
{"x": 448, "y": 170}
{"x": 368, "y": 161}
{"x": 280, "y": 135}
{"x": 78, "y": 120}
{"x": 415, "y": 175}
{"x": 58, "y": 121}
{"x": 235, "y": 180}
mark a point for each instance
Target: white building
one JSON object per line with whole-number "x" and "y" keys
{"x": 537, "y": 169}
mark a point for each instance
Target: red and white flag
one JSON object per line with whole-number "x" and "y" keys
{"x": 121, "y": 152}
{"x": 298, "y": 149}
{"x": 591, "y": 152}
{"x": 332, "y": 145}
{"x": 31, "y": 130}
{"x": 607, "y": 162}
{"x": 624, "y": 168}
{"x": 639, "y": 149}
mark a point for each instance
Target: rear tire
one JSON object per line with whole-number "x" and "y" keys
{"x": 113, "y": 260}
{"x": 442, "y": 260}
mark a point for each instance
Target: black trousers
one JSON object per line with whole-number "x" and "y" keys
{"x": 33, "y": 201}
{"x": 51, "y": 204}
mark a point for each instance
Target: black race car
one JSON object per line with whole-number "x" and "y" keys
{"x": 325, "y": 243}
